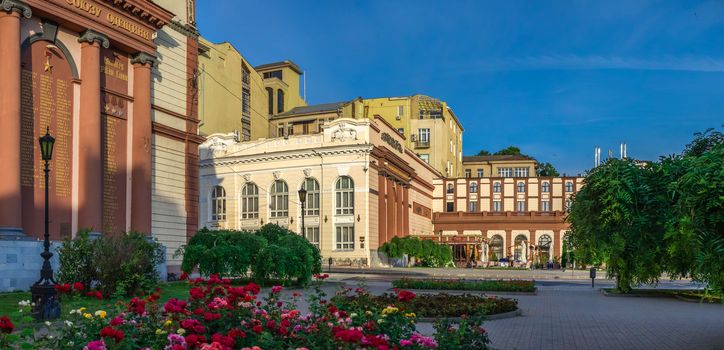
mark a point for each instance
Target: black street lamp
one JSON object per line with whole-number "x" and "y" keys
{"x": 44, "y": 295}
{"x": 302, "y": 200}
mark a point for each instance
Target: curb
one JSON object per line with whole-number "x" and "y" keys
{"x": 460, "y": 291}
{"x": 504, "y": 315}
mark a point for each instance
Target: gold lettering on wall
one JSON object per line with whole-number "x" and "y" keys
{"x": 114, "y": 68}
{"x": 63, "y": 137}
{"x": 27, "y": 136}
{"x": 128, "y": 26}
{"x": 110, "y": 167}
{"x": 85, "y": 6}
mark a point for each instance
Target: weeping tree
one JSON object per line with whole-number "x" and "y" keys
{"x": 615, "y": 219}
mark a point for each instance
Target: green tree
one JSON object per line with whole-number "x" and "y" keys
{"x": 615, "y": 219}
{"x": 546, "y": 169}
{"x": 509, "y": 151}
{"x": 483, "y": 153}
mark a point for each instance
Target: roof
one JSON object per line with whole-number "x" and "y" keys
{"x": 312, "y": 109}
{"x": 490, "y": 158}
{"x": 280, "y": 64}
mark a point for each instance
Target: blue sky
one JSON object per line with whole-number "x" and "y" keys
{"x": 554, "y": 78}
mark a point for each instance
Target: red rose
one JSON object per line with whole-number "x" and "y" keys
{"x": 349, "y": 335}
{"x": 405, "y": 295}
{"x": 252, "y": 288}
{"x": 6, "y": 326}
{"x": 197, "y": 293}
{"x": 117, "y": 321}
{"x": 62, "y": 288}
{"x": 110, "y": 332}
{"x": 236, "y": 333}
{"x": 184, "y": 276}
{"x": 137, "y": 306}
{"x": 257, "y": 329}
{"x": 78, "y": 286}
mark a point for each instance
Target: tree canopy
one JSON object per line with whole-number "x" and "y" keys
{"x": 542, "y": 169}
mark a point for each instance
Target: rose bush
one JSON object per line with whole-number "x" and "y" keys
{"x": 220, "y": 315}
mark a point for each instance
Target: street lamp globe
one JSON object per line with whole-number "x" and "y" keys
{"x": 46, "y": 145}
{"x": 302, "y": 195}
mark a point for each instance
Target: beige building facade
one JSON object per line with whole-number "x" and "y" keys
{"x": 363, "y": 187}
{"x": 498, "y": 166}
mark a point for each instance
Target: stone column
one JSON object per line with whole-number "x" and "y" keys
{"x": 382, "y": 208}
{"x": 390, "y": 208}
{"x": 141, "y": 145}
{"x": 11, "y": 215}
{"x": 509, "y": 245}
{"x": 406, "y": 210}
{"x": 398, "y": 207}
{"x": 90, "y": 160}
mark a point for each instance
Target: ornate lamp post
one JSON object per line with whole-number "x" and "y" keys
{"x": 302, "y": 200}
{"x": 44, "y": 295}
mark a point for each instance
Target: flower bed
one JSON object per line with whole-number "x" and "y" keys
{"x": 424, "y": 305}
{"x": 219, "y": 316}
{"x": 462, "y": 284}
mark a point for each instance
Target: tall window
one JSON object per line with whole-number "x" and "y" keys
{"x": 546, "y": 187}
{"x": 250, "y": 201}
{"x": 280, "y": 101}
{"x": 290, "y": 129}
{"x": 505, "y": 172}
{"x": 312, "y": 235}
{"x": 569, "y": 186}
{"x": 312, "y": 203}
{"x": 344, "y": 195}
{"x": 423, "y": 135}
{"x": 521, "y": 186}
{"x": 468, "y": 172}
{"x": 544, "y": 247}
{"x": 345, "y": 237}
{"x": 450, "y": 188}
{"x": 496, "y": 187}
{"x": 449, "y": 207}
{"x": 473, "y": 207}
{"x": 245, "y": 96}
{"x": 545, "y": 206}
{"x": 496, "y": 248}
{"x": 218, "y": 204}
{"x": 518, "y": 250}
{"x": 520, "y": 206}
{"x": 279, "y": 199}
{"x": 497, "y": 206}
{"x": 400, "y": 111}
{"x": 521, "y": 172}
{"x": 270, "y": 96}
{"x": 473, "y": 187}
{"x": 480, "y": 173}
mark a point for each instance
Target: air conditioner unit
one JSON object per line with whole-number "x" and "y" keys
{"x": 237, "y": 136}
{"x": 398, "y": 117}
{"x": 413, "y": 137}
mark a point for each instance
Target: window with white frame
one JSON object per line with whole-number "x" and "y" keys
{"x": 569, "y": 186}
{"x": 496, "y": 187}
{"x": 400, "y": 111}
{"x": 545, "y": 206}
{"x": 344, "y": 237}
{"x": 312, "y": 235}
{"x": 520, "y": 205}
{"x": 473, "y": 207}
{"x": 497, "y": 206}
{"x": 521, "y": 172}
{"x": 218, "y": 204}
{"x": 279, "y": 203}
{"x": 480, "y": 173}
{"x": 312, "y": 203}
{"x": 468, "y": 172}
{"x": 521, "y": 186}
{"x": 505, "y": 172}
{"x": 423, "y": 135}
{"x": 546, "y": 187}
{"x": 473, "y": 187}
{"x": 344, "y": 196}
{"x": 250, "y": 201}
{"x": 425, "y": 158}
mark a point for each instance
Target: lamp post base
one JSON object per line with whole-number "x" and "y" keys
{"x": 47, "y": 304}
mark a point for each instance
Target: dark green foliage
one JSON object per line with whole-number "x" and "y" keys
{"x": 483, "y": 153}
{"x": 509, "y": 151}
{"x": 270, "y": 253}
{"x": 546, "y": 169}
{"x": 427, "y": 252}
{"x": 463, "y": 284}
{"x": 469, "y": 334}
{"x": 121, "y": 265}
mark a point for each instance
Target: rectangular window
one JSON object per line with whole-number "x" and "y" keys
{"x": 436, "y": 114}
{"x": 521, "y": 172}
{"x": 345, "y": 238}
{"x": 467, "y": 172}
{"x": 280, "y": 130}
{"x": 273, "y": 74}
{"x": 425, "y": 158}
{"x": 345, "y": 202}
{"x": 505, "y": 172}
{"x": 312, "y": 235}
{"x": 473, "y": 207}
{"x": 290, "y": 129}
{"x": 245, "y": 100}
{"x": 520, "y": 205}
{"x": 423, "y": 135}
{"x": 245, "y": 75}
{"x": 480, "y": 173}
{"x": 450, "y": 207}
{"x": 400, "y": 111}
{"x": 545, "y": 206}
{"x": 497, "y": 206}
{"x": 422, "y": 115}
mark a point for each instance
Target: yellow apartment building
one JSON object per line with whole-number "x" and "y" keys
{"x": 282, "y": 82}
{"x": 498, "y": 166}
{"x": 232, "y": 96}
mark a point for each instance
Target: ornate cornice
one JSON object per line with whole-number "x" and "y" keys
{"x": 184, "y": 29}
{"x": 17, "y": 6}
{"x": 288, "y": 156}
{"x": 92, "y": 36}
{"x": 143, "y": 58}
{"x": 146, "y": 10}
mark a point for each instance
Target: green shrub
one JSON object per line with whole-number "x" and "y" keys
{"x": 76, "y": 260}
{"x": 462, "y": 284}
{"x": 427, "y": 252}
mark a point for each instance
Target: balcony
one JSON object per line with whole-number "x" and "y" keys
{"x": 422, "y": 144}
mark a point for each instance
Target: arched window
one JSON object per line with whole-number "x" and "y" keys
{"x": 250, "y": 201}
{"x": 270, "y": 95}
{"x": 344, "y": 196}
{"x": 544, "y": 248}
{"x": 312, "y": 203}
{"x": 520, "y": 242}
{"x": 279, "y": 203}
{"x": 496, "y": 187}
{"x": 280, "y": 101}
{"x": 473, "y": 187}
{"x": 450, "y": 188}
{"x": 218, "y": 204}
{"x": 521, "y": 186}
{"x": 546, "y": 187}
{"x": 496, "y": 248}
{"x": 569, "y": 186}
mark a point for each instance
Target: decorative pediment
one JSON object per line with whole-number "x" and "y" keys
{"x": 343, "y": 133}
{"x": 145, "y": 10}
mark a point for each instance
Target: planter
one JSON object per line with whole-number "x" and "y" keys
{"x": 494, "y": 317}
{"x": 456, "y": 292}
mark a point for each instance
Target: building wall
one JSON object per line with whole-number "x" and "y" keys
{"x": 490, "y": 168}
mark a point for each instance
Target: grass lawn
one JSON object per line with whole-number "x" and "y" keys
{"x": 686, "y": 293}
{"x": 9, "y": 301}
